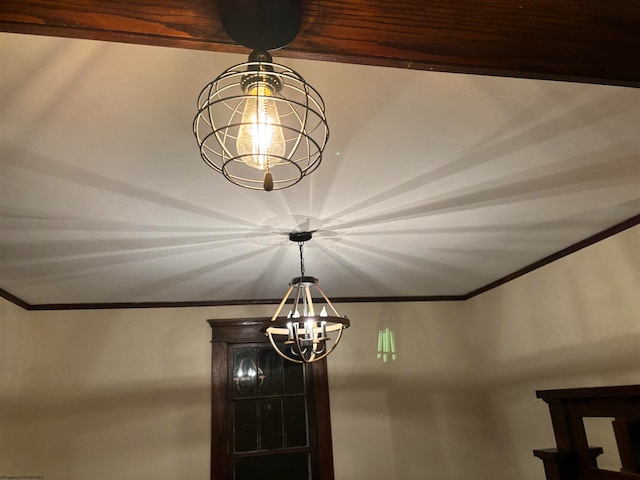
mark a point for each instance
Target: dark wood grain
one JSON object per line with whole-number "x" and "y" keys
{"x": 609, "y": 475}
{"x": 579, "y": 40}
{"x": 627, "y": 433}
{"x": 238, "y": 330}
{"x": 574, "y": 458}
{"x": 322, "y": 414}
{"x": 619, "y": 391}
{"x": 219, "y": 411}
{"x": 562, "y": 464}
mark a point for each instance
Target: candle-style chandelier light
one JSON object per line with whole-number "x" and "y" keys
{"x": 259, "y": 123}
{"x": 313, "y": 327}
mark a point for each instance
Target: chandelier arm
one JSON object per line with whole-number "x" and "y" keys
{"x": 318, "y": 357}
{"x": 299, "y": 348}
{"x": 312, "y": 347}
{"x": 275, "y": 347}
{"x": 284, "y": 300}
{"x": 311, "y": 312}
{"x": 297, "y": 299}
{"x": 328, "y": 301}
{"x": 335, "y": 344}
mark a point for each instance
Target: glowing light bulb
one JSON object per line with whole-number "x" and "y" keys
{"x": 260, "y": 138}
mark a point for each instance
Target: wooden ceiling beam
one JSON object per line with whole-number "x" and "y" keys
{"x": 576, "y": 40}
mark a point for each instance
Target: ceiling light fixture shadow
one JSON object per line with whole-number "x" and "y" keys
{"x": 260, "y": 123}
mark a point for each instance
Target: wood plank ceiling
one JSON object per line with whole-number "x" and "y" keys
{"x": 576, "y": 40}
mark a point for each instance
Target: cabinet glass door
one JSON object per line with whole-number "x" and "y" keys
{"x": 270, "y": 416}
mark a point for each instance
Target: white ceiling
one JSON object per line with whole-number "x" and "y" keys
{"x": 431, "y": 184}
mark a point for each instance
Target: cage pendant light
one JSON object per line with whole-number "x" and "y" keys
{"x": 260, "y": 124}
{"x": 313, "y": 327}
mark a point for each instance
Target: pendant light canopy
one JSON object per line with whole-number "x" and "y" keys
{"x": 259, "y": 123}
{"x": 313, "y": 327}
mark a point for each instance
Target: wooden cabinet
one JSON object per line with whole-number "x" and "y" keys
{"x": 573, "y": 458}
{"x": 270, "y": 418}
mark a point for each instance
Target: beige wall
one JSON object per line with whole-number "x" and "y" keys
{"x": 116, "y": 394}
{"x": 125, "y": 393}
{"x": 13, "y": 328}
{"x": 573, "y": 323}
{"x": 419, "y": 417}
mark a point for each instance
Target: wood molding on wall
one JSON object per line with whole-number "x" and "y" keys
{"x": 576, "y": 40}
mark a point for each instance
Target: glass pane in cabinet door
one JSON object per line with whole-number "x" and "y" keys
{"x": 295, "y": 421}
{"x": 245, "y": 425}
{"x": 270, "y": 365}
{"x": 273, "y": 467}
{"x": 293, "y": 378}
{"x": 271, "y": 424}
{"x": 245, "y": 373}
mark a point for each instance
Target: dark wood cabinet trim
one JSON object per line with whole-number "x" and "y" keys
{"x": 573, "y": 458}
{"x": 323, "y": 421}
{"x": 219, "y": 410}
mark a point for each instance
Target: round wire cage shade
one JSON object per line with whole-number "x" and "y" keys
{"x": 225, "y": 112}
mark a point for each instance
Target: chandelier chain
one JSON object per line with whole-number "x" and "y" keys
{"x": 300, "y": 246}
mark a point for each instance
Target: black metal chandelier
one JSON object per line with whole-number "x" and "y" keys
{"x": 313, "y": 327}
{"x": 260, "y": 123}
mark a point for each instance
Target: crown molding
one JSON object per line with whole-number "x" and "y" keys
{"x": 593, "y": 239}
